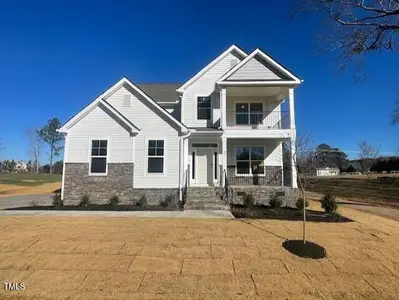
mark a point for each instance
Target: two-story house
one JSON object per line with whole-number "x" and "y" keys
{"x": 224, "y": 126}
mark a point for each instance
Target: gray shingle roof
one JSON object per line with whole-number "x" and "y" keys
{"x": 161, "y": 92}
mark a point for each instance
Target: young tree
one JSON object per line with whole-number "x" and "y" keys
{"x": 367, "y": 155}
{"x": 355, "y": 27}
{"x": 52, "y": 137}
{"x": 35, "y": 146}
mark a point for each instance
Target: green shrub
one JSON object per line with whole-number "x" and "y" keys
{"x": 168, "y": 201}
{"x": 142, "y": 202}
{"x": 248, "y": 200}
{"x": 57, "y": 201}
{"x": 85, "y": 200}
{"x": 336, "y": 216}
{"x": 299, "y": 204}
{"x": 275, "y": 200}
{"x": 114, "y": 201}
{"x": 328, "y": 202}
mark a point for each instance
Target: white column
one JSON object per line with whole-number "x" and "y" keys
{"x": 291, "y": 104}
{"x": 224, "y": 158}
{"x": 294, "y": 182}
{"x": 181, "y": 167}
{"x": 223, "y": 114}
{"x": 185, "y": 159}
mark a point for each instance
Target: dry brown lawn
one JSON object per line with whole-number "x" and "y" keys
{"x": 13, "y": 189}
{"x": 139, "y": 258}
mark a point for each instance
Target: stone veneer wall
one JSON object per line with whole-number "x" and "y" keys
{"x": 272, "y": 177}
{"x": 118, "y": 181}
{"x": 262, "y": 194}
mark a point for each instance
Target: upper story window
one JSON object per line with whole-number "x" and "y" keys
{"x": 98, "y": 158}
{"x": 204, "y": 108}
{"x": 249, "y": 113}
{"x": 156, "y": 156}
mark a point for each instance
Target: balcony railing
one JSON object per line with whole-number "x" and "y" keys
{"x": 258, "y": 119}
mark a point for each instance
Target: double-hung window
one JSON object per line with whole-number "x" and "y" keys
{"x": 204, "y": 108}
{"x": 249, "y": 113}
{"x": 98, "y": 160}
{"x": 250, "y": 160}
{"x": 156, "y": 156}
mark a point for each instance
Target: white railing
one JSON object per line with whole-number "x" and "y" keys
{"x": 258, "y": 120}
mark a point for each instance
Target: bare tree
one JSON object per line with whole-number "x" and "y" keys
{"x": 355, "y": 27}
{"x": 367, "y": 155}
{"x": 35, "y": 146}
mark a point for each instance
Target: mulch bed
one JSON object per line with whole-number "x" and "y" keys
{"x": 283, "y": 213}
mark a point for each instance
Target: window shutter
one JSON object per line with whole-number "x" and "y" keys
{"x": 127, "y": 101}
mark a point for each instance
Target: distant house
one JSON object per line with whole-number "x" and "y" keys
{"x": 327, "y": 171}
{"x": 21, "y": 166}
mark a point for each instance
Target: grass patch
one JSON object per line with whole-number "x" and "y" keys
{"x": 27, "y": 179}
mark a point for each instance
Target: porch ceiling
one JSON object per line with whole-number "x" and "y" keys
{"x": 282, "y": 92}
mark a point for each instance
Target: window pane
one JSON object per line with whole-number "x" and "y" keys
{"x": 204, "y": 114}
{"x": 242, "y": 154}
{"x": 256, "y": 118}
{"x": 204, "y": 102}
{"x": 95, "y": 143}
{"x": 216, "y": 166}
{"x": 103, "y": 151}
{"x": 257, "y": 153}
{"x": 98, "y": 165}
{"x": 160, "y": 152}
{"x": 256, "y": 107}
{"x": 152, "y": 143}
{"x": 160, "y": 144}
{"x": 103, "y": 144}
{"x": 257, "y": 167}
{"x": 151, "y": 151}
{"x": 243, "y": 167}
{"x": 193, "y": 163}
{"x": 241, "y": 118}
{"x": 155, "y": 165}
{"x": 95, "y": 152}
{"x": 242, "y": 107}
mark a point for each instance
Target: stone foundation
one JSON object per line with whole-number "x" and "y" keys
{"x": 272, "y": 177}
{"x": 118, "y": 181}
{"x": 154, "y": 196}
{"x": 261, "y": 194}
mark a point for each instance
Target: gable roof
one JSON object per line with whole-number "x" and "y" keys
{"x": 258, "y": 53}
{"x": 161, "y": 92}
{"x": 111, "y": 90}
{"x": 232, "y": 48}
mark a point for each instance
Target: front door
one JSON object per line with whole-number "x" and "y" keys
{"x": 205, "y": 166}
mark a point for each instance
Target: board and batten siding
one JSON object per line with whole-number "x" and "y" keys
{"x": 98, "y": 124}
{"x": 205, "y": 86}
{"x": 254, "y": 70}
{"x": 273, "y": 150}
{"x": 151, "y": 126}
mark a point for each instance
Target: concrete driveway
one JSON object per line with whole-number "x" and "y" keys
{"x": 24, "y": 200}
{"x": 141, "y": 258}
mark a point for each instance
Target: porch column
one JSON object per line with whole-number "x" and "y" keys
{"x": 291, "y": 104}
{"x": 185, "y": 159}
{"x": 294, "y": 182}
{"x": 223, "y": 114}
{"x": 224, "y": 159}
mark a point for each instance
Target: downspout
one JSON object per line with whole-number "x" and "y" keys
{"x": 181, "y": 139}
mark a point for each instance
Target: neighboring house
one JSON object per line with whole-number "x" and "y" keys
{"x": 224, "y": 126}
{"x": 327, "y": 171}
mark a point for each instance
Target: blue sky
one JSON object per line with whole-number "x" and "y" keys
{"x": 57, "y": 56}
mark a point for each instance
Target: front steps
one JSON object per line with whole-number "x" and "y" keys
{"x": 205, "y": 198}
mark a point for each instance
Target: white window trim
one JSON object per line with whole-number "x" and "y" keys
{"x": 204, "y": 121}
{"x": 214, "y": 149}
{"x": 165, "y": 147}
{"x": 106, "y": 157}
{"x": 250, "y": 168}
{"x": 249, "y": 103}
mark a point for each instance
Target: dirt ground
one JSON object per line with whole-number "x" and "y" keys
{"x": 134, "y": 258}
{"x": 12, "y": 189}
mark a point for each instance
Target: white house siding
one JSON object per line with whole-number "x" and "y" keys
{"x": 99, "y": 125}
{"x": 254, "y": 70}
{"x": 151, "y": 126}
{"x": 205, "y": 86}
{"x": 273, "y": 150}
{"x": 270, "y": 106}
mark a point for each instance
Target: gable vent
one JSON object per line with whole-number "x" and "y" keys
{"x": 233, "y": 62}
{"x": 127, "y": 101}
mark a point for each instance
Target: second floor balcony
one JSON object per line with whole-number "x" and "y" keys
{"x": 257, "y": 119}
